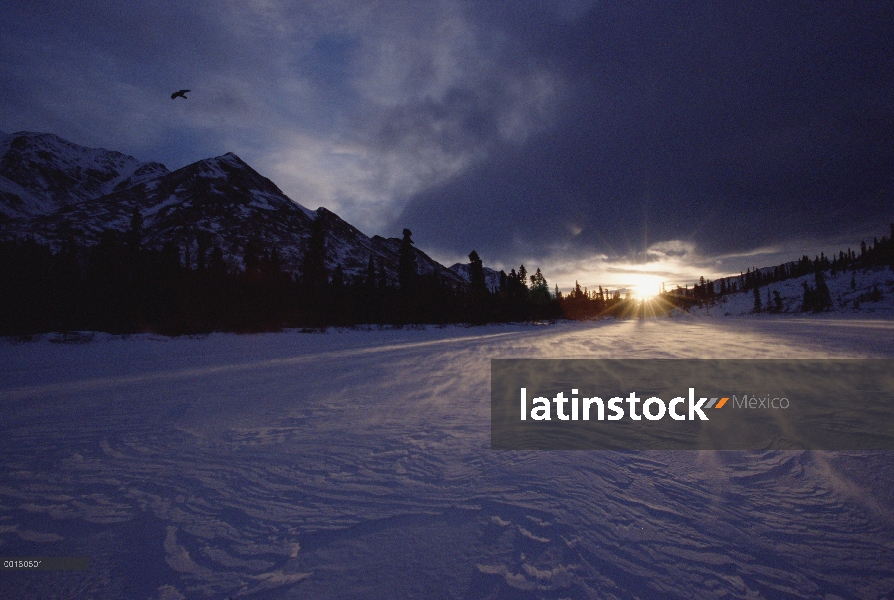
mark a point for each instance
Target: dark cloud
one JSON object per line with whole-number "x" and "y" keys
{"x": 733, "y": 127}
{"x": 559, "y": 131}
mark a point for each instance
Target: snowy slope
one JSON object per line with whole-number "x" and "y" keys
{"x": 221, "y": 199}
{"x": 41, "y": 172}
{"x": 792, "y": 293}
{"x": 356, "y": 464}
{"x": 389, "y": 249}
{"x": 52, "y": 189}
{"x": 491, "y": 277}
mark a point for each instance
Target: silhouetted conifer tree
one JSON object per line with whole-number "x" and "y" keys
{"x": 133, "y": 238}
{"x": 251, "y": 259}
{"x": 314, "y": 289}
{"x": 476, "y": 273}
{"x": 406, "y": 269}
{"x": 823, "y": 296}
{"x": 539, "y": 288}
{"x": 478, "y": 294}
{"x": 370, "y": 280}
{"x": 383, "y": 277}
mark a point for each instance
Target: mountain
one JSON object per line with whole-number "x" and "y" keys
{"x": 219, "y": 201}
{"x": 54, "y": 190}
{"x": 491, "y": 277}
{"x": 41, "y": 173}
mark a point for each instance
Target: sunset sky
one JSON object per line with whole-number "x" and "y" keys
{"x": 596, "y": 140}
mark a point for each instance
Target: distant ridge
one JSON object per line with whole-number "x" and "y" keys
{"x": 54, "y": 190}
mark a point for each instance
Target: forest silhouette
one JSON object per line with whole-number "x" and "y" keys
{"x": 119, "y": 285}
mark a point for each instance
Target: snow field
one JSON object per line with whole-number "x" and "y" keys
{"x": 357, "y": 464}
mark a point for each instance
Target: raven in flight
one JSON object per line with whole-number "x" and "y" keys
{"x": 181, "y": 93}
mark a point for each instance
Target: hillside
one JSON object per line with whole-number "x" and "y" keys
{"x": 56, "y": 191}
{"x": 847, "y": 298}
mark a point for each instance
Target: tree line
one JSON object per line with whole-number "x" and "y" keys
{"x": 816, "y": 297}
{"x": 120, "y": 285}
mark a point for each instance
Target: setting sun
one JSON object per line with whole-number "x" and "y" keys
{"x": 644, "y": 286}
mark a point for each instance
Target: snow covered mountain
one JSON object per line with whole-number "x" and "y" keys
{"x": 491, "y": 277}
{"x": 54, "y": 190}
{"x": 41, "y": 172}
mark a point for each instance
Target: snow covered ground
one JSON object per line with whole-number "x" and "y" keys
{"x": 851, "y": 292}
{"x": 356, "y": 464}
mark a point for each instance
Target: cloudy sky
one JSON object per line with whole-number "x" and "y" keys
{"x": 592, "y": 139}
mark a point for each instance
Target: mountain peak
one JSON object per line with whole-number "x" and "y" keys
{"x": 219, "y": 166}
{"x": 55, "y": 189}
{"x": 42, "y": 172}
{"x": 230, "y": 157}
{"x": 215, "y": 167}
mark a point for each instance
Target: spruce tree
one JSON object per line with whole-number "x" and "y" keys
{"x": 134, "y": 236}
{"x": 370, "y": 281}
{"x": 406, "y": 269}
{"x": 539, "y": 288}
{"x": 476, "y": 273}
{"x": 382, "y": 277}
{"x": 822, "y": 297}
{"x": 477, "y": 294}
{"x": 315, "y": 275}
{"x": 808, "y": 303}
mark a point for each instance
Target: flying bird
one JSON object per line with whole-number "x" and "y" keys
{"x": 181, "y": 93}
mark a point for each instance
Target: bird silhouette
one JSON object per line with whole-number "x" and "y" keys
{"x": 181, "y": 93}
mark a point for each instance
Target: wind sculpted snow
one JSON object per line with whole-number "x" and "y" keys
{"x": 357, "y": 464}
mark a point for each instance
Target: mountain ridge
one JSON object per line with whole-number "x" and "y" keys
{"x": 42, "y": 172}
{"x": 54, "y": 190}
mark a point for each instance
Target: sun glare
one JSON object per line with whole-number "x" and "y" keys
{"x": 644, "y": 287}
